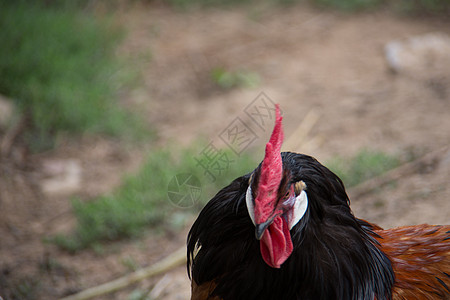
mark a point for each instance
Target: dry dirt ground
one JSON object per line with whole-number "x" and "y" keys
{"x": 313, "y": 62}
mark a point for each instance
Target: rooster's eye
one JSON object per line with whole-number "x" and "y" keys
{"x": 286, "y": 196}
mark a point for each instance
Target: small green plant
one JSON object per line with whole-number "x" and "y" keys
{"x": 363, "y": 166}
{"x": 228, "y": 79}
{"x": 59, "y": 67}
{"x": 23, "y": 288}
{"x": 142, "y": 200}
{"x": 139, "y": 294}
{"x": 130, "y": 263}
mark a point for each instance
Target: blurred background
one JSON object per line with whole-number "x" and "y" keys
{"x": 120, "y": 119}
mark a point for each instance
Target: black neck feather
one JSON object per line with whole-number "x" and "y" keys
{"x": 335, "y": 255}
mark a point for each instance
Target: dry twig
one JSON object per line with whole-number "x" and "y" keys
{"x": 173, "y": 260}
{"x": 298, "y": 138}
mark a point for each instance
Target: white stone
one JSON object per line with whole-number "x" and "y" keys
{"x": 429, "y": 52}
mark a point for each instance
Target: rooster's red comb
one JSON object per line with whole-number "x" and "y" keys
{"x": 271, "y": 172}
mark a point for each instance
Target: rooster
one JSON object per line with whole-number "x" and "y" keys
{"x": 286, "y": 231}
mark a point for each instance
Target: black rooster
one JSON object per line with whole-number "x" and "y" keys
{"x": 286, "y": 231}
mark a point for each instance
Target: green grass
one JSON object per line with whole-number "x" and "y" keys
{"x": 142, "y": 200}
{"x": 410, "y": 7}
{"x": 60, "y": 68}
{"x": 423, "y": 7}
{"x": 349, "y": 5}
{"x": 363, "y": 166}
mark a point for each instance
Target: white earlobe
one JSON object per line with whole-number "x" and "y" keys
{"x": 299, "y": 209}
{"x": 296, "y": 213}
{"x": 250, "y": 206}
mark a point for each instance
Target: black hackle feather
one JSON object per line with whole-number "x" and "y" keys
{"x": 335, "y": 255}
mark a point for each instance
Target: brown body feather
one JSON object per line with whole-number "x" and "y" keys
{"x": 420, "y": 257}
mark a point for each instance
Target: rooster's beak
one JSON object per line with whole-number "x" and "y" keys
{"x": 261, "y": 228}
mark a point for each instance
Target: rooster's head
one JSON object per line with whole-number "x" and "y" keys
{"x": 275, "y": 203}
